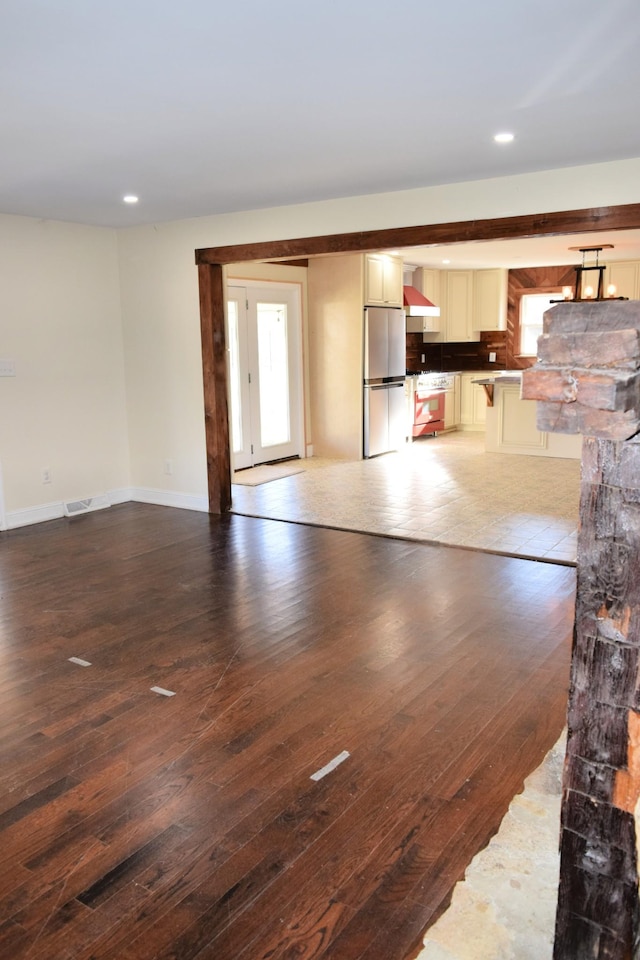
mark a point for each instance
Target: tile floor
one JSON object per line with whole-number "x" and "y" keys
{"x": 444, "y": 489}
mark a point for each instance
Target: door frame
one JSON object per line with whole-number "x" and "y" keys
{"x": 210, "y": 262}
{"x": 295, "y": 288}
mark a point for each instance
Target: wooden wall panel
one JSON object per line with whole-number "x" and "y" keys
{"x": 458, "y": 356}
{"x": 529, "y": 279}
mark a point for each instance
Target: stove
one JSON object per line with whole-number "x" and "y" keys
{"x": 426, "y": 399}
{"x": 432, "y": 380}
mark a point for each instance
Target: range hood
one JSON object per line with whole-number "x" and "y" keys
{"x": 417, "y": 305}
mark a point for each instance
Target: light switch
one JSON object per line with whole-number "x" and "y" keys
{"x": 7, "y": 368}
{"x": 492, "y": 358}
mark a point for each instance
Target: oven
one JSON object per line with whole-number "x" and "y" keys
{"x": 426, "y": 403}
{"x": 428, "y": 411}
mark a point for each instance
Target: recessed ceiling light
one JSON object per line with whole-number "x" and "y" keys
{"x": 446, "y": 261}
{"x": 130, "y": 198}
{"x": 503, "y": 137}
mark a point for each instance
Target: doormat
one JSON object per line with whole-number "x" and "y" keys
{"x": 265, "y": 473}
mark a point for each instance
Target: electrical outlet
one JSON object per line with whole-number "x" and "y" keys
{"x": 46, "y": 475}
{"x": 7, "y": 368}
{"x": 492, "y": 358}
{"x": 168, "y": 468}
{"x": 422, "y": 360}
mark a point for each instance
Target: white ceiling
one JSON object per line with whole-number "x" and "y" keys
{"x": 203, "y": 107}
{"x": 532, "y": 252}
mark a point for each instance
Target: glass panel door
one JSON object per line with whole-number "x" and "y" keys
{"x": 239, "y": 395}
{"x": 273, "y": 371}
{"x": 265, "y": 381}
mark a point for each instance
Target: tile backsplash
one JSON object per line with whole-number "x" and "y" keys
{"x": 458, "y": 356}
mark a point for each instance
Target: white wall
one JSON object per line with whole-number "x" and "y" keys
{"x": 160, "y": 291}
{"x": 163, "y": 369}
{"x": 336, "y": 330}
{"x": 65, "y": 409}
{"x": 163, "y": 360}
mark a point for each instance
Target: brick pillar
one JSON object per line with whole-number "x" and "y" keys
{"x": 587, "y": 381}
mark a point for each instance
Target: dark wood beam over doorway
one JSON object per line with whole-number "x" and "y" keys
{"x": 210, "y": 259}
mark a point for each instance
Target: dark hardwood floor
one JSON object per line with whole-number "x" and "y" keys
{"x": 136, "y": 825}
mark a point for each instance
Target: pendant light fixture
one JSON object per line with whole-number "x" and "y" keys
{"x": 593, "y": 290}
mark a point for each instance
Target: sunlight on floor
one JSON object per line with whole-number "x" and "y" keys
{"x": 444, "y": 489}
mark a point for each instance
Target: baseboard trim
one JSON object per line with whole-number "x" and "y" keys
{"x": 39, "y": 514}
{"x": 123, "y": 495}
{"x": 55, "y": 511}
{"x": 167, "y": 498}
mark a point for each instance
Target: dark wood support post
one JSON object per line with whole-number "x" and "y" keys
{"x": 214, "y": 372}
{"x": 588, "y": 381}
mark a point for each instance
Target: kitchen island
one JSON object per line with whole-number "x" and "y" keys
{"x": 511, "y": 422}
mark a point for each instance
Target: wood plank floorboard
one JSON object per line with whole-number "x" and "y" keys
{"x": 135, "y": 826}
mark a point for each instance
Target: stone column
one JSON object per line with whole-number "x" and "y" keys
{"x": 588, "y": 381}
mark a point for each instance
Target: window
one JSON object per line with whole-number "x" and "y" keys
{"x": 532, "y": 307}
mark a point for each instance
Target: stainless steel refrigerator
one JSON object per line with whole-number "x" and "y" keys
{"x": 385, "y": 414}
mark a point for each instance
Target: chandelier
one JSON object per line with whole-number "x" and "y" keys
{"x": 594, "y": 289}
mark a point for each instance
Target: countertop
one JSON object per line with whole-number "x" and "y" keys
{"x": 410, "y": 374}
{"x": 509, "y": 376}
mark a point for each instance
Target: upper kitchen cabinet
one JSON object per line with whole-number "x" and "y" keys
{"x": 626, "y": 277}
{"x": 382, "y": 280}
{"x": 456, "y": 289}
{"x": 470, "y": 301}
{"x": 429, "y": 283}
{"x": 490, "y": 299}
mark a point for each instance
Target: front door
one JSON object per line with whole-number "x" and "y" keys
{"x": 264, "y": 340}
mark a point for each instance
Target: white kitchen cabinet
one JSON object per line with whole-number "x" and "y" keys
{"x": 512, "y": 428}
{"x": 473, "y": 402}
{"x": 452, "y": 406}
{"x": 490, "y": 299}
{"x": 456, "y": 289}
{"x": 469, "y": 301}
{"x": 382, "y": 280}
{"x": 423, "y": 325}
{"x": 626, "y": 276}
{"x": 428, "y": 282}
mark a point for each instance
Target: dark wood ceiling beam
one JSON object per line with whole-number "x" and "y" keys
{"x": 624, "y": 217}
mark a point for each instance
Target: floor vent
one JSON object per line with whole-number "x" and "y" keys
{"x": 74, "y": 508}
